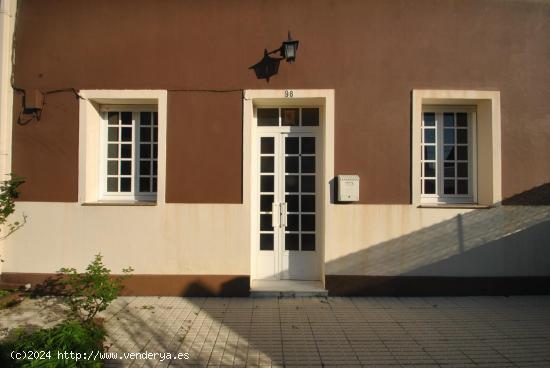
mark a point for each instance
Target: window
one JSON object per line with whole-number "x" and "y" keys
{"x": 129, "y": 163}
{"x": 448, "y": 155}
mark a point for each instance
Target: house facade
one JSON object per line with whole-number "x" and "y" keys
{"x": 403, "y": 152}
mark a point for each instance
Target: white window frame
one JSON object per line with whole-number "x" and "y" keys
{"x": 439, "y": 197}
{"x": 133, "y": 195}
{"x": 90, "y": 155}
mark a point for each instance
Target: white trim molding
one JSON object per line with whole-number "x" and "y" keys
{"x": 487, "y": 104}
{"x": 90, "y": 137}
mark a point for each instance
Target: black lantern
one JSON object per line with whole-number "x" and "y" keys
{"x": 289, "y": 48}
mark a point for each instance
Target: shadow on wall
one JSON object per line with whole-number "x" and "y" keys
{"x": 507, "y": 240}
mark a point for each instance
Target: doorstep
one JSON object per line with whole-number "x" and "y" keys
{"x": 286, "y": 288}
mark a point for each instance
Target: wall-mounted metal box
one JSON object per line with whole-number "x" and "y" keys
{"x": 348, "y": 188}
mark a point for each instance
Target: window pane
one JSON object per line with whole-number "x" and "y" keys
{"x": 308, "y": 184}
{"x": 144, "y": 185}
{"x": 267, "y": 145}
{"x": 155, "y": 150}
{"x": 308, "y": 203}
{"x": 308, "y": 242}
{"x": 308, "y": 222}
{"x": 292, "y": 242}
{"x": 292, "y": 203}
{"x": 449, "y": 119}
{"x": 291, "y": 183}
{"x": 125, "y": 167}
{"x": 126, "y": 118}
{"x": 462, "y": 153}
{"x": 265, "y": 223}
{"x": 155, "y": 118}
{"x": 462, "y": 170}
{"x": 112, "y": 184}
{"x": 429, "y": 119}
{"x": 266, "y": 202}
{"x": 126, "y": 150}
{"x": 145, "y": 134}
{"x": 310, "y": 117}
{"x": 113, "y": 134}
{"x": 145, "y": 167}
{"x": 126, "y": 134}
{"x": 155, "y": 167}
{"x": 429, "y": 186}
{"x": 266, "y": 241}
{"x": 291, "y": 164}
{"x": 429, "y": 135}
{"x": 449, "y": 136}
{"x": 145, "y": 150}
{"x": 290, "y": 117}
{"x": 112, "y": 117}
{"x": 462, "y": 136}
{"x": 293, "y": 222}
{"x": 308, "y": 164}
{"x": 125, "y": 184}
{"x": 291, "y": 145}
{"x": 268, "y": 117}
{"x": 308, "y": 145}
{"x": 449, "y": 169}
{"x": 112, "y": 151}
{"x": 145, "y": 118}
{"x": 155, "y": 134}
{"x": 154, "y": 185}
{"x": 429, "y": 153}
{"x": 112, "y": 167}
{"x": 462, "y": 119}
{"x": 267, "y": 164}
{"x": 449, "y": 186}
{"x": 449, "y": 153}
{"x": 429, "y": 169}
{"x": 266, "y": 183}
{"x": 462, "y": 187}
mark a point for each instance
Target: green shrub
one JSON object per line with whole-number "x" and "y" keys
{"x": 70, "y": 336}
{"x": 90, "y": 292}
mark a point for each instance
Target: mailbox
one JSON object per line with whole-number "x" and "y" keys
{"x": 348, "y": 188}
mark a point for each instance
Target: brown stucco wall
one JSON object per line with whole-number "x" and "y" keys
{"x": 373, "y": 53}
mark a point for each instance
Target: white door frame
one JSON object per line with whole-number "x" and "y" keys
{"x": 283, "y": 98}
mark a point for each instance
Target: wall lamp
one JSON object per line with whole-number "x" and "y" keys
{"x": 287, "y": 50}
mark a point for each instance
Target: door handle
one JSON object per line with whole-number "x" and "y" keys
{"x": 283, "y": 214}
{"x": 275, "y": 215}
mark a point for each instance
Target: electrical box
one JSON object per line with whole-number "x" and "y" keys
{"x": 348, "y": 188}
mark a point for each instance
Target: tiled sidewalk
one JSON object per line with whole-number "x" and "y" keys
{"x": 387, "y": 332}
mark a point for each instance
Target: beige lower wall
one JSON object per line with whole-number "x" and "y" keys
{"x": 168, "y": 239}
{"x": 390, "y": 240}
{"x": 213, "y": 239}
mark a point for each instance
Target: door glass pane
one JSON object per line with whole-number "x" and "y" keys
{"x": 429, "y": 119}
{"x": 291, "y": 145}
{"x": 462, "y": 119}
{"x": 310, "y": 117}
{"x": 292, "y": 164}
{"x": 291, "y": 183}
{"x": 293, "y": 222}
{"x": 265, "y": 222}
{"x": 308, "y": 242}
{"x": 308, "y": 184}
{"x": 308, "y": 203}
{"x": 449, "y": 187}
{"x": 308, "y": 145}
{"x": 125, "y": 184}
{"x": 308, "y": 164}
{"x": 267, "y": 164}
{"x": 292, "y": 241}
{"x": 266, "y": 202}
{"x": 112, "y": 118}
{"x": 113, "y": 134}
{"x": 290, "y": 117}
{"x": 448, "y": 119}
{"x": 462, "y": 187}
{"x": 126, "y": 118}
{"x": 308, "y": 223}
{"x": 268, "y": 117}
{"x": 266, "y": 183}
{"x": 267, "y": 145}
{"x": 266, "y": 241}
{"x": 292, "y": 202}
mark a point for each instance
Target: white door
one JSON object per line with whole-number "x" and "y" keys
{"x": 287, "y": 205}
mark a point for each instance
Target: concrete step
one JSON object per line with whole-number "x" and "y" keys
{"x": 286, "y": 289}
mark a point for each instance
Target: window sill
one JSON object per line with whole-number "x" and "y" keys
{"x": 121, "y": 203}
{"x": 455, "y": 205}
